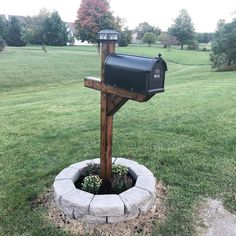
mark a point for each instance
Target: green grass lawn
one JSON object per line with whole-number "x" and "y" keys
{"x": 48, "y": 120}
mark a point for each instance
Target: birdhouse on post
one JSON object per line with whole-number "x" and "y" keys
{"x": 123, "y": 77}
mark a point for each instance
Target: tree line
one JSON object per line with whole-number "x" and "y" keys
{"x": 181, "y": 32}
{"x": 95, "y": 15}
{"x": 45, "y": 29}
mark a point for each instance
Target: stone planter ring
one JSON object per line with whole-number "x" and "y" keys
{"x": 106, "y": 208}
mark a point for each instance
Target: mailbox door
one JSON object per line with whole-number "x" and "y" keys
{"x": 157, "y": 78}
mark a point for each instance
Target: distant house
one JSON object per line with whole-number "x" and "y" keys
{"x": 134, "y": 35}
{"x": 73, "y": 32}
{"x": 21, "y": 19}
{"x": 3, "y": 17}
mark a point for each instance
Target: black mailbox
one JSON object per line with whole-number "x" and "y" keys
{"x": 139, "y": 74}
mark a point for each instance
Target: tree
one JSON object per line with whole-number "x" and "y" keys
{"x": 2, "y": 44}
{"x": 204, "y": 38}
{"x": 94, "y": 16}
{"x": 183, "y": 28}
{"x": 149, "y": 38}
{"x": 145, "y": 28}
{"x": 125, "y": 38}
{"x": 32, "y": 32}
{"x": 224, "y": 46}
{"x": 168, "y": 40}
{"x": 193, "y": 45}
{"x": 54, "y": 31}
{"x": 14, "y": 33}
{"x": 3, "y": 28}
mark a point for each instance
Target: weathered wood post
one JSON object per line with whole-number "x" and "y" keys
{"x": 107, "y": 47}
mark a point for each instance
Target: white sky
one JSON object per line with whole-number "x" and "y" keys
{"x": 204, "y": 14}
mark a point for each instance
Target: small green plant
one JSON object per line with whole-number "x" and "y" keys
{"x": 91, "y": 169}
{"x": 120, "y": 180}
{"x": 119, "y": 170}
{"x": 121, "y": 183}
{"x": 92, "y": 184}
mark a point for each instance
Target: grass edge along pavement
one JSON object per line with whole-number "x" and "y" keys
{"x": 48, "y": 121}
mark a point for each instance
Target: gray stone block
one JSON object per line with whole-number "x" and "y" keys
{"x": 139, "y": 170}
{"x": 97, "y": 160}
{"x": 133, "y": 199}
{"x": 125, "y": 162}
{"x": 80, "y": 165}
{"x": 61, "y": 187}
{"x": 76, "y": 202}
{"x": 106, "y": 205}
{"x": 147, "y": 183}
{"x": 69, "y": 173}
{"x": 148, "y": 205}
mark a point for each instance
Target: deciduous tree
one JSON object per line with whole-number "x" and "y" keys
{"x": 168, "y": 40}
{"x": 94, "y": 16}
{"x": 146, "y": 28}
{"x": 204, "y": 37}
{"x": 183, "y": 28}
{"x": 149, "y": 38}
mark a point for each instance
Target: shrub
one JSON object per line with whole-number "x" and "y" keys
{"x": 92, "y": 184}
{"x": 120, "y": 183}
{"x": 193, "y": 45}
{"x": 91, "y": 169}
{"x": 219, "y": 61}
{"x": 119, "y": 170}
{"x": 122, "y": 42}
{"x": 125, "y": 38}
{"x": 2, "y": 44}
{"x": 120, "y": 180}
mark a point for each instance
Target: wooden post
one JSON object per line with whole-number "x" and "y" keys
{"x": 106, "y": 120}
{"x": 112, "y": 99}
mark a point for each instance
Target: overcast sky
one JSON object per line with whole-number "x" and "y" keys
{"x": 204, "y": 13}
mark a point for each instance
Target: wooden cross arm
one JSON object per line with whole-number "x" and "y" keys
{"x": 95, "y": 83}
{"x": 92, "y": 82}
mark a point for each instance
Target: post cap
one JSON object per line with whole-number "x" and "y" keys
{"x": 108, "y": 35}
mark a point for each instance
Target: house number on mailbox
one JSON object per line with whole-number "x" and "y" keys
{"x": 157, "y": 74}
